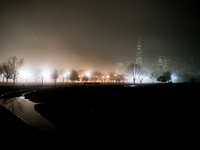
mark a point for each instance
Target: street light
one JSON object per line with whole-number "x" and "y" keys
{"x": 25, "y": 74}
{"x": 87, "y": 74}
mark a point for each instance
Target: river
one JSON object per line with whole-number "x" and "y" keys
{"x": 25, "y": 109}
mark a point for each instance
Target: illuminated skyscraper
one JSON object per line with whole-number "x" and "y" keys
{"x": 139, "y": 53}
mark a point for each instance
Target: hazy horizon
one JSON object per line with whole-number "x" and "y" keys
{"x": 97, "y": 34}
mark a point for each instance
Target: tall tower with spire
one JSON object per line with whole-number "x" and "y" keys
{"x": 139, "y": 53}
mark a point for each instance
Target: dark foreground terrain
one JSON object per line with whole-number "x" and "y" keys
{"x": 118, "y": 114}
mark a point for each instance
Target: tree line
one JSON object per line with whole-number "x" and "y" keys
{"x": 11, "y": 67}
{"x": 137, "y": 73}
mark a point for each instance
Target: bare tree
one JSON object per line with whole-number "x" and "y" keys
{"x": 12, "y": 67}
{"x": 1, "y": 71}
{"x": 134, "y": 70}
{"x": 5, "y": 71}
{"x": 112, "y": 76}
{"x": 154, "y": 76}
{"x": 142, "y": 75}
{"x": 55, "y": 75}
{"x": 39, "y": 74}
{"x": 120, "y": 77}
{"x": 96, "y": 75}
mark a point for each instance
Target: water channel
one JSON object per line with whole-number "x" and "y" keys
{"x": 25, "y": 109}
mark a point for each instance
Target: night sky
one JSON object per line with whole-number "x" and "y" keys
{"x": 96, "y": 34}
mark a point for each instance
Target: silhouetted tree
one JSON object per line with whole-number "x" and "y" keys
{"x": 134, "y": 70}
{"x": 96, "y": 75}
{"x": 6, "y": 71}
{"x": 74, "y": 76}
{"x": 153, "y": 76}
{"x": 161, "y": 79}
{"x": 14, "y": 65}
{"x": 120, "y": 78}
{"x": 141, "y": 76}
{"x": 40, "y": 74}
{"x": 62, "y": 74}
{"x": 112, "y": 76}
{"x": 166, "y": 77}
{"x": 1, "y": 71}
{"x": 55, "y": 75}
{"x": 85, "y": 78}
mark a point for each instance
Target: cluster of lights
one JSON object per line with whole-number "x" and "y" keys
{"x": 32, "y": 76}
{"x": 28, "y": 75}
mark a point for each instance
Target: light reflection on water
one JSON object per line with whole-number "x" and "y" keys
{"x": 24, "y": 109}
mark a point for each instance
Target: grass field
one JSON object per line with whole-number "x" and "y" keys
{"x": 111, "y": 110}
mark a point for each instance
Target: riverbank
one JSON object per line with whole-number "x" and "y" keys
{"x": 13, "y": 128}
{"x": 111, "y": 111}
{"x": 103, "y": 109}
